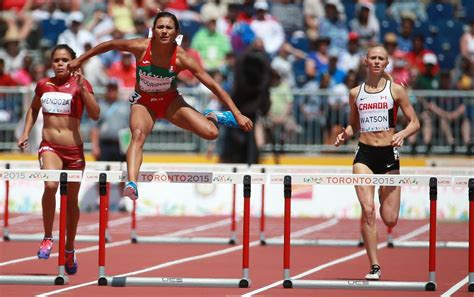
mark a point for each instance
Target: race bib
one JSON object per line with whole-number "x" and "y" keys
{"x": 56, "y": 102}
{"x": 134, "y": 97}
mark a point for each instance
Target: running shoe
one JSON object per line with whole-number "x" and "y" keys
{"x": 45, "y": 248}
{"x": 225, "y": 118}
{"x": 71, "y": 262}
{"x": 374, "y": 273}
{"x": 131, "y": 190}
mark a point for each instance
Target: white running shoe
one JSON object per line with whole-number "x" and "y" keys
{"x": 375, "y": 273}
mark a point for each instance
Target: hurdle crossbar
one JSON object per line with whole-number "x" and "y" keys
{"x": 7, "y": 235}
{"x": 45, "y": 175}
{"x": 301, "y": 242}
{"x": 182, "y": 177}
{"x": 345, "y": 179}
{"x": 135, "y": 238}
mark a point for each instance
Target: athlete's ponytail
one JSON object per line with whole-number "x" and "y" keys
{"x": 387, "y": 76}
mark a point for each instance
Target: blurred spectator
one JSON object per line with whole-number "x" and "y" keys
{"x": 7, "y": 106}
{"x": 51, "y": 23}
{"x": 333, "y": 25}
{"x": 114, "y": 117}
{"x": 464, "y": 74}
{"x": 289, "y": 14}
{"x": 105, "y": 135}
{"x": 23, "y": 76}
{"x": 12, "y": 53}
{"x": 94, "y": 70}
{"x": 467, "y": 42}
{"x": 186, "y": 77}
{"x": 396, "y": 9}
{"x": 279, "y": 123}
{"x": 405, "y": 36}
{"x": 121, "y": 12}
{"x": 17, "y": 15}
{"x": 101, "y": 25}
{"x": 453, "y": 116}
{"x": 400, "y": 69}
{"x": 5, "y": 78}
{"x": 112, "y": 57}
{"x": 350, "y": 58}
{"x": 251, "y": 94}
{"x": 427, "y": 78}
{"x": 124, "y": 70}
{"x": 416, "y": 57}
{"x": 337, "y": 75}
{"x": 318, "y": 58}
{"x": 313, "y": 12}
{"x": 267, "y": 28}
{"x": 338, "y": 109}
{"x": 390, "y": 42}
{"x": 75, "y": 36}
{"x": 283, "y": 63}
{"x": 366, "y": 24}
{"x": 228, "y": 72}
{"x": 211, "y": 45}
{"x": 239, "y": 32}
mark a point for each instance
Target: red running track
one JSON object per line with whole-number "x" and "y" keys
{"x": 223, "y": 261}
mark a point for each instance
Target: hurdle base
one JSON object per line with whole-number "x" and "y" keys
{"x": 470, "y": 287}
{"x": 102, "y": 281}
{"x": 118, "y": 281}
{"x": 317, "y": 242}
{"x": 362, "y": 285}
{"x": 426, "y": 244}
{"x": 33, "y": 280}
{"x": 40, "y": 236}
{"x": 182, "y": 240}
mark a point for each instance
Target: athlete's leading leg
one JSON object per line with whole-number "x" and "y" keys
{"x": 185, "y": 116}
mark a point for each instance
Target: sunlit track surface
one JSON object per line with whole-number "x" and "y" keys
{"x": 223, "y": 261}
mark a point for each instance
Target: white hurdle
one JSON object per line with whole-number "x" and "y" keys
{"x": 63, "y": 177}
{"x": 29, "y": 165}
{"x": 458, "y": 173}
{"x": 171, "y": 169}
{"x": 177, "y": 177}
{"x": 302, "y": 169}
{"x": 351, "y": 179}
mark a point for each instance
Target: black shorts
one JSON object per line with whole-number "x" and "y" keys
{"x": 380, "y": 159}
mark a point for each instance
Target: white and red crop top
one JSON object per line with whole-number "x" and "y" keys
{"x": 377, "y": 111}
{"x": 61, "y": 98}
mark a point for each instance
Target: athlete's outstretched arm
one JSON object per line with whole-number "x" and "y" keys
{"x": 187, "y": 62}
{"x": 134, "y": 46}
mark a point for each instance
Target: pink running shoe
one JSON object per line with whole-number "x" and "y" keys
{"x": 45, "y": 248}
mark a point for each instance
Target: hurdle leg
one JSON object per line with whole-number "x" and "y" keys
{"x": 287, "y": 282}
{"x": 262, "y": 215}
{"x": 245, "y": 281}
{"x": 431, "y": 285}
{"x": 104, "y": 205}
{"x": 471, "y": 235}
{"x": 6, "y": 214}
{"x": 233, "y": 225}
{"x": 62, "y": 279}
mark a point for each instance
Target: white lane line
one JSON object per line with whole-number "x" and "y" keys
{"x": 167, "y": 264}
{"x": 456, "y": 287}
{"x": 119, "y": 243}
{"x": 337, "y": 261}
{"x": 20, "y": 219}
